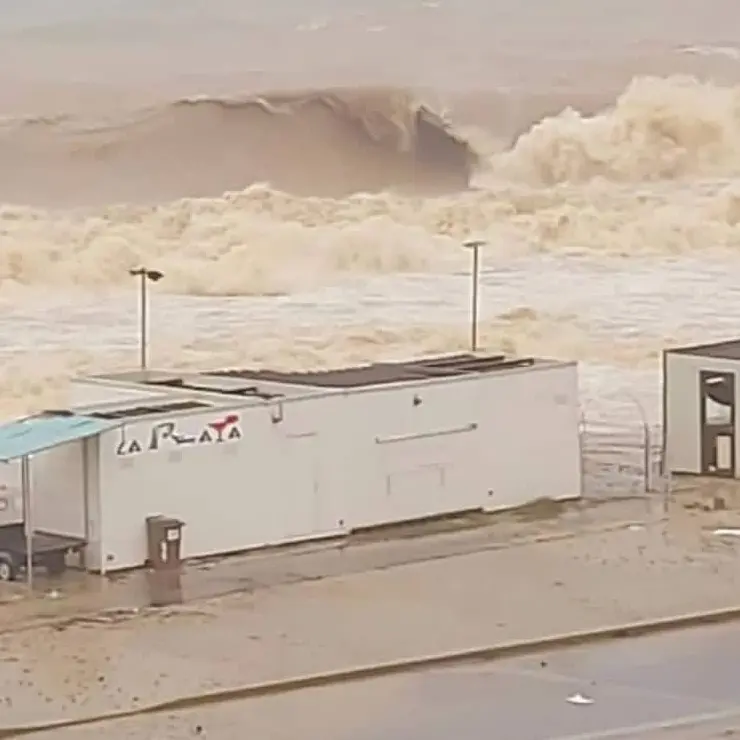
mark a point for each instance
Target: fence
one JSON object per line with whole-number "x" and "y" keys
{"x": 620, "y": 460}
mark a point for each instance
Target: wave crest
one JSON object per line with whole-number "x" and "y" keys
{"x": 659, "y": 129}
{"x": 328, "y": 143}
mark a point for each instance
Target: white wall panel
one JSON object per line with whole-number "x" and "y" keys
{"x": 322, "y": 465}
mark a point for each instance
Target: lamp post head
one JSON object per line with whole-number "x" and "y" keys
{"x": 473, "y": 243}
{"x": 153, "y": 275}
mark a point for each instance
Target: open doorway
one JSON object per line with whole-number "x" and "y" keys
{"x": 717, "y": 423}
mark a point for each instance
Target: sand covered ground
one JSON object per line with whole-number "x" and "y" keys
{"x": 309, "y": 612}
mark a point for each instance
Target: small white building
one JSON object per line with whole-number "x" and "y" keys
{"x": 700, "y": 421}
{"x": 252, "y": 458}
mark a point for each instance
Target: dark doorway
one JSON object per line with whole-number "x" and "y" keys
{"x": 717, "y": 423}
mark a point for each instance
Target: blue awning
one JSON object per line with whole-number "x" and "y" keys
{"x": 38, "y": 433}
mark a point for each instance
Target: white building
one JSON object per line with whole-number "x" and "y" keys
{"x": 252, "y": 458}
{"x": 700, "y": 421}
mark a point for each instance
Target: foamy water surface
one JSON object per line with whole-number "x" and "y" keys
{"x": 612, "y": 314}
{"x": 608, "y": 238}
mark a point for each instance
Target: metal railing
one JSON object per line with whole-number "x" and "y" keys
{"x": 620, "y": 459}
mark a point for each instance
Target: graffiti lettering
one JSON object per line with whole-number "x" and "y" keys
{"x": 166, "y": 434}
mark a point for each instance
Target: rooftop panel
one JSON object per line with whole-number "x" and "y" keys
{"x": 132, "y": 412}
{"x": 206, "y": 384}
{"x": 383, "y": 373}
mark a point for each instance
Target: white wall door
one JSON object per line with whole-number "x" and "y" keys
{"x": 301, "y": 485}
{"x": 417, "y": 471}
{"x": 58, "y": 490}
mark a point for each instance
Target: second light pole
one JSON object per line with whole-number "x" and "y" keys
{"x": 145, "y": 276}
{"x": 474, "y": 245}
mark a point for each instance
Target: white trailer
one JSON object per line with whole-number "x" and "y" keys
{"x": 252, "y": 458}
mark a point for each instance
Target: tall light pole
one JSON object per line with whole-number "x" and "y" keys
{"x": 474, "y": 245}
{"x": 145, "y": 276}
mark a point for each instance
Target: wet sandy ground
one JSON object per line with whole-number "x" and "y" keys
{"x": 679, "y": 686}
{"x": 314, "y": 624}
{"x": 121, "y": 595}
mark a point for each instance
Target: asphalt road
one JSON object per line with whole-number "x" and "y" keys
{"x": 678, "y": 685}
{"x": 684, "y": 684}
{"x": 659, "y": 686}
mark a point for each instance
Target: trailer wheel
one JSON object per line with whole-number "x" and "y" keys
{"x": 7, "y": 568}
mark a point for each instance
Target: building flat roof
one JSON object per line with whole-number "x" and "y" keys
{"x": 728, "y": 350}
{"x": 383, "y": 373}
{"x": 184, "y": 391}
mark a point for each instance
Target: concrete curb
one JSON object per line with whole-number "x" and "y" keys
{"x": 60, "y": 621}
{"x": 394, "y": 668}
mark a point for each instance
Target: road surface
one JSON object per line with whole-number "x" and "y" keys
{"x": 665, "y": 687}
